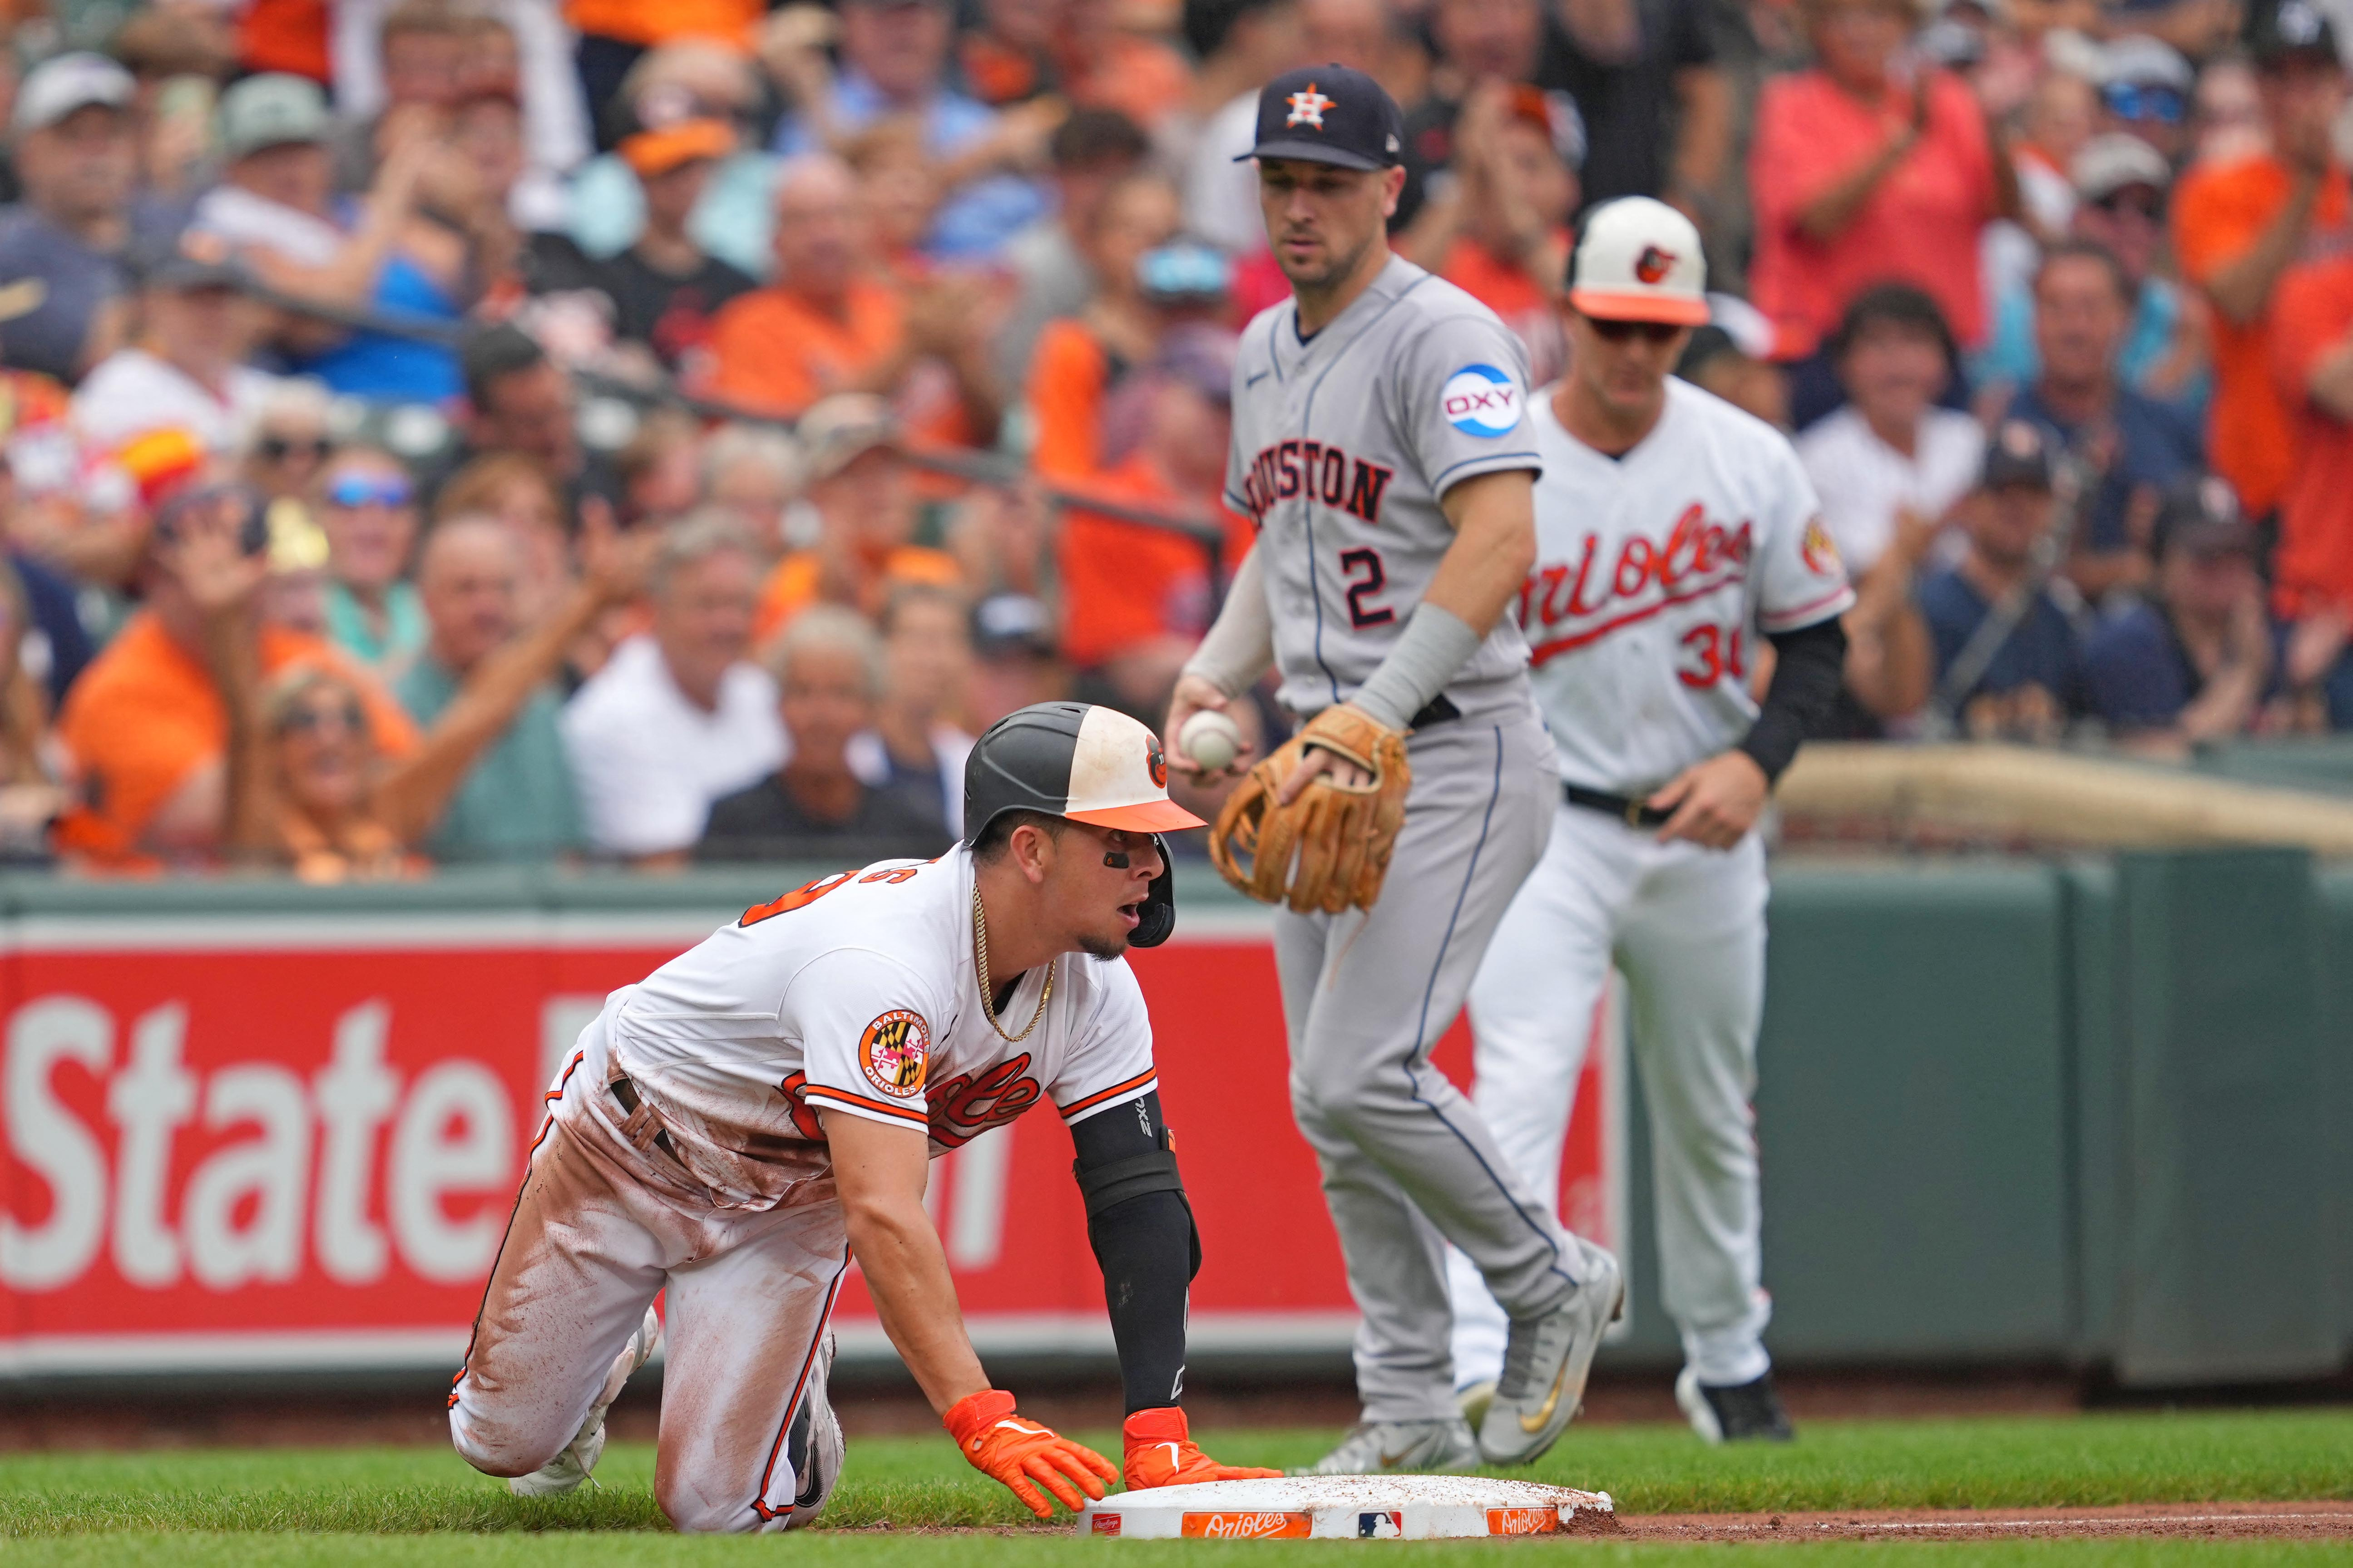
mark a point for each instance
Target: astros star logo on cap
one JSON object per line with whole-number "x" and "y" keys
{"x": 1307, "y": 108}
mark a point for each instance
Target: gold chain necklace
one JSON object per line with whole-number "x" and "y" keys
{"x": 980, "y": 961}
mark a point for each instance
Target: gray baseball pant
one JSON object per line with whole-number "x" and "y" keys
{"x": 1407, "y": 1161}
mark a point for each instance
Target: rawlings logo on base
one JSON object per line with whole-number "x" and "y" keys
{"x": 1246, "y": 1526}
{"x": 1107, "y": 1524}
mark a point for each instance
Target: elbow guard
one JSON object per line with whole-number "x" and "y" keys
{"x": 1106, "y": 1186}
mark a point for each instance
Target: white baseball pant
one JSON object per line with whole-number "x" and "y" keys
{"x": 598, "y": 1230}
{"x": 1685, "y": 925}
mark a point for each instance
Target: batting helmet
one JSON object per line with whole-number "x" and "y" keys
{"x": 1084, "y": 763}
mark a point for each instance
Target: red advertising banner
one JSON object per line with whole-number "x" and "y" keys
{"x": 268, "y": 1143}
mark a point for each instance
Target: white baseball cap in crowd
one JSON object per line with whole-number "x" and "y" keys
{"x": 1639, "y": 261}
{"x": 57, "y": 88}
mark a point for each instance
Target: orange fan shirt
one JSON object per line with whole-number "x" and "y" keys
{"x": 1123, "y": 583}
{"x": 2219, "y": 211}
{"x": 793, "y": 586}
{"x": 2312, "y": 311}
{"x": 653, "y": 21}
{"x": 145, "y": 715}
{"x": 1069, "y": 374}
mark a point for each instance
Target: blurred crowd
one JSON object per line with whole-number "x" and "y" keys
{"x": 443, "y": 431}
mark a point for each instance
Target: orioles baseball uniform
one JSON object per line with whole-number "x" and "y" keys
{"x": 1344, "y": 445}
{"x": 683, "y": 1150}
{"x": 1656, "y": 572}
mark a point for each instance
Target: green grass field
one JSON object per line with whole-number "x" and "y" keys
{"x": 399, "y": 1505}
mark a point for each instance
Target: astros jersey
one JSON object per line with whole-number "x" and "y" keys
{"x": 1343, "y": 445}
{"x": 1655, "y": 571}
{"x": 855, "y": 996}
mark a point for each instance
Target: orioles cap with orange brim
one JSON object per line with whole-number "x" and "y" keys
{"x": 1639, "y": 259}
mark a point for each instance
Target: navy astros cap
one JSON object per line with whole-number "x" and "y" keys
{"x": 1329, "y": 114}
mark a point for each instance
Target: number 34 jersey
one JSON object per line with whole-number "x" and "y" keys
{"x": 1655, "y": 573}
{"x": 855, "y": 996}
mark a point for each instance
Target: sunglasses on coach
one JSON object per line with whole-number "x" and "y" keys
{"x": 1626, "y": 331}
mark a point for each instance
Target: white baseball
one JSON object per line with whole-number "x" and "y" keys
{"x": 1211, "y": 738}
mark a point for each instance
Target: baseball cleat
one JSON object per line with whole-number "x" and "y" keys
{"x": 1473, "y": 1401}
{"x": 579, "y": 1456}
{"x": 1734, "y": 1412}
{"x": 1545, "y": 1362}
{"x": 813, "y": 1446}
{"x": 1444, "y": 1447}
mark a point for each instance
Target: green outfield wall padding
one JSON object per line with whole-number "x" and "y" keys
{"x": 2226, "y": 1264}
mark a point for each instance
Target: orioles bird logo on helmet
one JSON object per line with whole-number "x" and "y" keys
{"x": 1156, "y": 765}
{"x": 1307, "y": 108}
{"x": 1653, "y": 263}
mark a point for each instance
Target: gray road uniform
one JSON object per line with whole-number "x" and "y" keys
{"x": 1343, "y": 445}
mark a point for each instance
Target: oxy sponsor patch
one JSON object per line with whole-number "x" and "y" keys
{"x": 1480, "y": 400}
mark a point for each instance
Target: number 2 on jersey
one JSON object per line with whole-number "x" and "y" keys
{"x": 1714, "y": 652}
{"x": 1366, "y": 576}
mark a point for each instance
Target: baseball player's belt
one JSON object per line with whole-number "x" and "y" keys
{"x": 642, "y": 1126}
{"x": 1630, "y": 812}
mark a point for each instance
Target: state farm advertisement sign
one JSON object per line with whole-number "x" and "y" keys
{"x": 270, "y": 1144}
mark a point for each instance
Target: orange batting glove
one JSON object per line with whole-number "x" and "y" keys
{"x": 1005, "y": 1448}
{"x": 1160, "y": 1453}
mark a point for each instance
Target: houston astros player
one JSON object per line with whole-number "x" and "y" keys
{"x": 1672, "y": 530}
{"x": 730, "y": 1131}
{"x": 1381, "y": 443}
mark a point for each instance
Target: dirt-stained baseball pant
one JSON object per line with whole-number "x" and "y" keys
{"x": 1408, "y": 1163}
{"x": 598, "y": 1230}
{"x": 1686, "y": 927}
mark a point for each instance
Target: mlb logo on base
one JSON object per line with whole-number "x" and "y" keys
{"x": 1385, "y": 1525}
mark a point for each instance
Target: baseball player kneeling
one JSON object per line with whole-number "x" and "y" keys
{"x": 1672, "y": 530}
{"x": 734, "y": 1128}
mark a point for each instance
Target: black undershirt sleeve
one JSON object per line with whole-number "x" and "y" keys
{"x": 1145, "y": 1247}
{"x": 1810, "y": 666}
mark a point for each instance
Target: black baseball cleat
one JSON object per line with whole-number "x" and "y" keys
{"x": 1739, "y": 1413}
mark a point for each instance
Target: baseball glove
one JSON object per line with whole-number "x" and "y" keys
{"x": 1328, "y": 849}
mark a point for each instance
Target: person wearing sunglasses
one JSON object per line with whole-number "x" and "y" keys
{"x": 367, "y": 505}
{"x": 2145, "y": 87}
{"x": 291, "y": 443}
{"x": 1675, "y": 537}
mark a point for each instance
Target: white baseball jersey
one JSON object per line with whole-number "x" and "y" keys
{"x": 855, "y": 994}
{"x": 1343, "y": 445}
{"x": 1655, "y": 570}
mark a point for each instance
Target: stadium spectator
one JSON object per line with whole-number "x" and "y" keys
{"x": 1240, "y": 46}
{"x": 185, "y": 368}
{"x": 1003, "y": 52}
{"x": 1092, "y": 153}
{"x": 30, "y": 797}
{"x": 179, "y": 60}
{"x": 2192, "y": 663}
{"x": 825, "y": 326}
{"x": 666, "y": 288}
{"x": 145, "y": 725}
{"x": 926, "y": 673}
{"x": 1136, "y": 599}
{"x": 2145, "y": 87}
{"x": 616, "y": 36}
{"x": 864, "y": 496}
{"x": 517, "y": 801}
{"x": 678, "y": 717}
{"x": 1002, "y": 539}
{"x": 1514, "y": 152}
{"x": 2237, "y": 225}
{"x": 2132, "y": 448}
{"x": 1478, "y": 41}
{"x": 691, "y": 78}
{"x": 1104, "y": 61}
{"x": 2061, "y": 113}
{"x": 2230, "y": 111}
{"x": 401, "y": 87}
{"x": 661, "y": 469}
{"x": 291, "y": 443}
{"x": 898, "y": 189}
{"x": 69, "y": 511}
{"x": 1081, "y": 359}
{"x": 519, "y": 493}
{"x": 2122, "y": 183}
{"x": 2311, "y": 355}
{"x": 1655, "y": 105}
{"x": 81, "y": 216}
{"x": 828, "y": 667}
{"x": 894, "y": 56}
{"x": 753, "y": 475}
{"x": 1868, "y": 168}
{"x": 367, "y": 507}
{"x": 1732, "y": 357}
{"x": 1890, "y": 454}
{"x": 518, "y": 400}
{"x": 1013, "y": 658}
{"x": 2025, "y": 683}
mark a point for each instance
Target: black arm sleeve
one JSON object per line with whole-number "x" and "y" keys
{"x": 1142, "y": 1231}
{"x": 1809, "y": 667}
